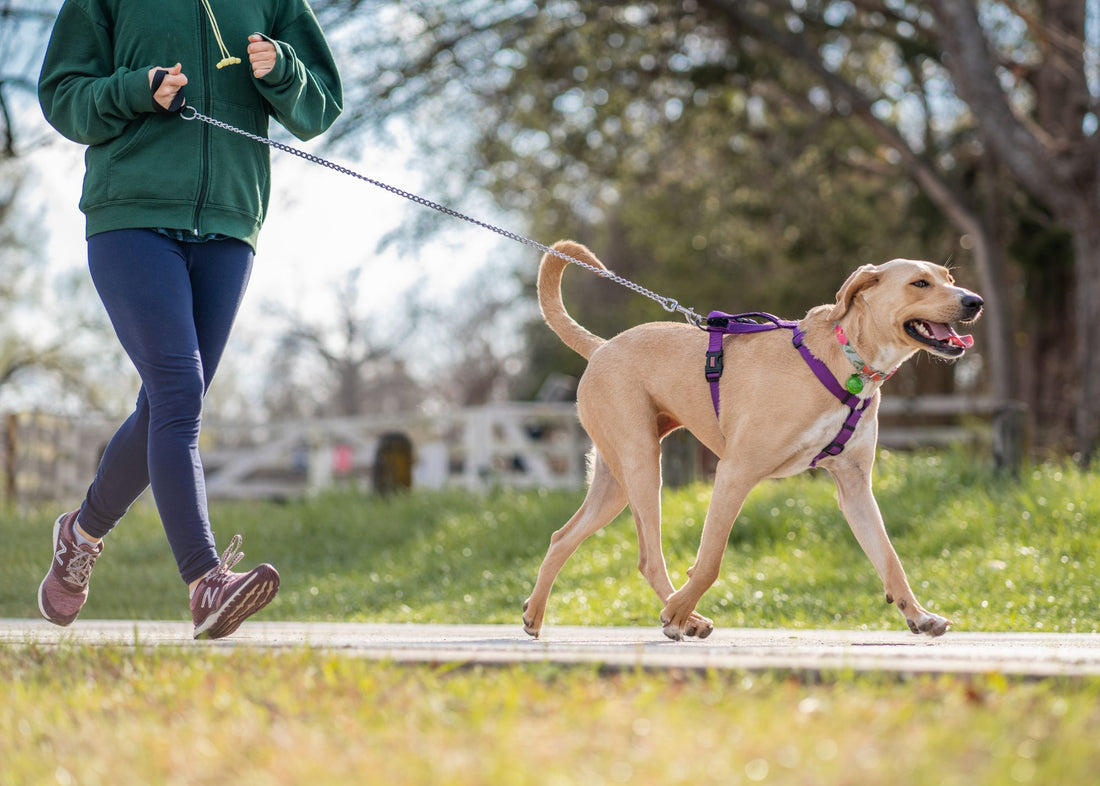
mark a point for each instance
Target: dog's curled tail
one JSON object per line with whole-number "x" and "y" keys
{"x": 553, "y": 310}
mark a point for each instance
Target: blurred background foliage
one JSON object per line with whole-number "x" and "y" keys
{"x": 733, "y": 156}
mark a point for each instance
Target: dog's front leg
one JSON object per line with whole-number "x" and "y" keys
{"x": 857, "y": 502}
{"x": 730, "y": 490}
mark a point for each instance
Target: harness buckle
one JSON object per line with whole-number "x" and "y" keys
{"x": 714, "y": 366}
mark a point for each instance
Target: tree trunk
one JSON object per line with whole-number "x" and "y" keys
{"x": 1051, "y": 157}
{"x": 989, "y": 256}
{"x": 1045, "y": 333}
{"x": 1086, "y": 246}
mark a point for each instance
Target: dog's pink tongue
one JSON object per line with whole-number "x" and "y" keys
{"x": 944, "y": 332}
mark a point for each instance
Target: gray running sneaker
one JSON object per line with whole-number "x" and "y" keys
{"x": 223, "y": 599}
{"x": 62, "y": 593}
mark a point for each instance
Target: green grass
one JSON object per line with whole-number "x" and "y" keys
{"x": 991, "y": 553}
{"x": 204, "y": 716}
{"x": 987, "y": 551}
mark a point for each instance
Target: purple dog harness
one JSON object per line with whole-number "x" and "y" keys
{"x": 720, "y": 324}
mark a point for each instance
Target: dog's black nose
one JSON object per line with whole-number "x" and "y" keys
{"x": 972, "y": 306}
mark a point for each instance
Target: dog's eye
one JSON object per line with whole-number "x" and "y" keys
{"x": 921, "y": 284}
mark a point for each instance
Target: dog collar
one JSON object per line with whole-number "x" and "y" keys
{"x": 864, "y": 372}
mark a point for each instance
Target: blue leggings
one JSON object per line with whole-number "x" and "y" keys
{"x": 172, "y": 305}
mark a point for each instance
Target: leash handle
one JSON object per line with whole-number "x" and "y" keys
{"x": 667, "y": 303}
{"x": 154, "y": 86}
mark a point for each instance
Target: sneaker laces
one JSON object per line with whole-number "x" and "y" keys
{"x": 230, "y": 557}
{"x": 79, "y": 569}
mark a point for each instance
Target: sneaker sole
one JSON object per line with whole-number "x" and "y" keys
{"x": 42, "y": 587}
{"x": 245, "y": 602}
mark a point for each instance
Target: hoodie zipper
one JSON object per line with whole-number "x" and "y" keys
{"x": 204, "y": 152}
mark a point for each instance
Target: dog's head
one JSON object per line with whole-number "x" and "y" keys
{"x": 916, "y": 302}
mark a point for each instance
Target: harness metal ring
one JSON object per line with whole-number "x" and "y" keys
{"x": 194, "y": 112}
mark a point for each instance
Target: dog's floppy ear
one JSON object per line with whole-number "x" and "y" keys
{"x": 863, "y": 277}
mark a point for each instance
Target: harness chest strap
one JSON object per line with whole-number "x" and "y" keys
{"x": 856, "y": 406}
{"x": 720, "y": 324}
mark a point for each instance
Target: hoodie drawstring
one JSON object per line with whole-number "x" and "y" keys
{"x": 227, "y": 59}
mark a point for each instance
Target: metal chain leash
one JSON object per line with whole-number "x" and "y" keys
{"x": 667, "y": 303}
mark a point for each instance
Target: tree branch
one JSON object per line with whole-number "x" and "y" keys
{"x": 960, "y": 214}
{"x": 968, "y": 58}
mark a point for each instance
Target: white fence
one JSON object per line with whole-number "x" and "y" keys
{"x": 938, "y": 421}
{"x": 48, "y": 458}
{"x": 518, "y": 445}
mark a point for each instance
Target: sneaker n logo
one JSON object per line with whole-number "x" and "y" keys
{"x": 57, "y": 555}
{"x": 209, "y": 597}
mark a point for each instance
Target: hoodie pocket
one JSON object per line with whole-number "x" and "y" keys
{"x": 239, "y": 174}
{"x": 156, "y": 161}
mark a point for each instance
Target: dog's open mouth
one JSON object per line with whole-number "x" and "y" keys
{"x": 939, "y": 336}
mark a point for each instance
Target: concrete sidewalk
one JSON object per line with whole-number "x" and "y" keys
{"x": 1031, "y": 654}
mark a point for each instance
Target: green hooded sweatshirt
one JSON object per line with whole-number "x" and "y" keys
{"x": 150, "y": 170}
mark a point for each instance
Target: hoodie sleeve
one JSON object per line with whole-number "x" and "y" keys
{"x": 80, "y": 91}
{"x": 304, "y": 87}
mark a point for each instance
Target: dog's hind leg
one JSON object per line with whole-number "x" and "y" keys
{"x": 644, "y": 471}
{"x": 603, "y": 502}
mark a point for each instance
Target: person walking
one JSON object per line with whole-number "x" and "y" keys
{"x": 173, "y": 211}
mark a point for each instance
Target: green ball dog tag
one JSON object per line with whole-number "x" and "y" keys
{"x": 854, "y": 384}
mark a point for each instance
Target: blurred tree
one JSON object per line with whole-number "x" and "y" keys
{"x": 759, "y": 147}
{"x": 52, "y": 332}
{"x": 1022, "y": 82}
{"x": 475, "y": 351}
{"x": 46, "y": 352}
{"x": 1030, "y": 75}
{"x": 353, "y": 363}
{"x": 24, "y": 31}
{"x": 19, "y": 350}
{"x": 341, "y": 363}
{"x": 590, "y": 119}
{"x": 688, "y": 150}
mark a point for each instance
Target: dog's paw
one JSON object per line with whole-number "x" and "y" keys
{"x": 698, "y": 626}
{"x": 694, "y": 626}
{"x": 931, "y": 624}
{"x": 531, "y": 625}
{"x": 679, "y": 619}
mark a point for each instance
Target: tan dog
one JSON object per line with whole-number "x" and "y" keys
{"x": 775, "y": 418}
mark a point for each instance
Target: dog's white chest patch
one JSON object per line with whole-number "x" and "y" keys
{"x": 817, "y": 436}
